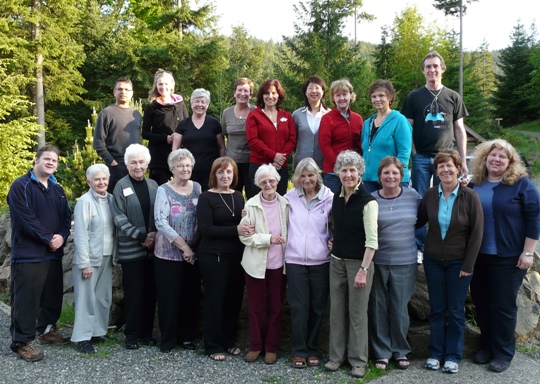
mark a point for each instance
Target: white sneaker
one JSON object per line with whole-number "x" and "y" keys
{"x": 451, "y": 367}
{"x": 433, "y": 364}
{"x": 419, "y": 257}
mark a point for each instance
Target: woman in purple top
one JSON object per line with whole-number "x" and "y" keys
{"x": 177, "y": 272}
{"x": 307, "y": 259}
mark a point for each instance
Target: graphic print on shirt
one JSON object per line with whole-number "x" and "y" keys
{"x": 434, "y": 115}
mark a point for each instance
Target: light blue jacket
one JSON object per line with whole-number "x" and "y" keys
{"x": 393, "y": 138}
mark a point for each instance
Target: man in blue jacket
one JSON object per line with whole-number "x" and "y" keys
{"x": 41, "y": 223}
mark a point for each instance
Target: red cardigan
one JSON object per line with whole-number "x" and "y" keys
{"x": 265, "y": 140}
{"x": 338, "y": 134}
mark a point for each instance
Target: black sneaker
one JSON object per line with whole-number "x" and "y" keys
{"x": 100, "y": 339}
{"x": 86, "y": 347}
{"x": 131, "y": 344}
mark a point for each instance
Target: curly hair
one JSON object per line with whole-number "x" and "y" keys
{"x": 514, "y": 172}
{"x": 445, "y": 155}
{"x": 350, "y": 158}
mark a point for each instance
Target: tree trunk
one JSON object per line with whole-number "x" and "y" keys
{"x": 38, "y": 92}
{"x": 461, "y": 48}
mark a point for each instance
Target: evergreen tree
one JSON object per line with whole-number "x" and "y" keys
{"x": 512, "y": 99}
{"x": 319, "y": 47}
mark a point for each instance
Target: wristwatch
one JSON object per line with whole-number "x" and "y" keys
{"x": 529, "y": 254}
{"x": 364, "y": 268}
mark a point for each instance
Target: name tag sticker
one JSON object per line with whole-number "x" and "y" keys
{"x": 127, "y": 191}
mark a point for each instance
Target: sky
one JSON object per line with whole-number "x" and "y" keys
{"x": 489, "y": 20}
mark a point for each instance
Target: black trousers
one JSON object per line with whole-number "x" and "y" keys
{"x": 117, "y": 172}
{"x": 138, "y": 283}
{"x": 244, "y": 182}
{"x": 223, "y": 282}
{"x": 36, "y": 298}
{"x": 160, "y": 176}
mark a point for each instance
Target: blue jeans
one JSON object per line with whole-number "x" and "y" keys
{"x": 332, "y": 181}
{"x": 447, "y": 295}
{"x": 422, "y": 172}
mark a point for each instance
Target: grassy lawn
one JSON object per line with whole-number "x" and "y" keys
{"x": 531, "y": 126}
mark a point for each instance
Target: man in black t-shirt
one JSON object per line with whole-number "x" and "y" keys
{"x": 436, "y": 114}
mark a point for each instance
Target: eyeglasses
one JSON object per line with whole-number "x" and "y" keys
{"x": 268, "y": 182}
{"x": 183, "y": 166}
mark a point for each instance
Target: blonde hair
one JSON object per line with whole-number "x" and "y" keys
{"x": 514, "y": 172}
{"x": 154, "y": 93}
{"x": 342, "y": 85}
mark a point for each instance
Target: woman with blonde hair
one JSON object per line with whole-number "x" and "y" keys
{"x": 233, "y": 122}
{"x": 165, "y": 110}
{"x": 340, "y": 130}
{"x": 511, "y": 206}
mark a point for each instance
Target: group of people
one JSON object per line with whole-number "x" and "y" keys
{"x": 349, "y": 230}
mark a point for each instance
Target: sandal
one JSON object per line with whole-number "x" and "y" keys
{"x": 313, "y": 361}
{"x": 235, "y": 351}
{"x": 381, "y": 364}
{"x": 217, "y": 356}
{"x": 298, "y": 362}
{"x": 403, "y": 363}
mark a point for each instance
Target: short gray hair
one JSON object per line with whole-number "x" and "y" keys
{"x": 265, "y": 170}
{"x": 200, "y": 92}
{"x": 137, "y": 149}
{"x": 350, "y": 158}
{"x": 307, "y": 164}
{"x": 179, "y": 154}
{"x": 95, "y": 168}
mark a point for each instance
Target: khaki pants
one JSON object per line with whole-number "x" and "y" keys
{"x": 348, "y": 313}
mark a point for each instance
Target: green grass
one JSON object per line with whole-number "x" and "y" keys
{"x": 529, "y": 350}
{"x": 531, "y": 126}
{"x": 5, "y": 297}
{"x": 67, "y": 317}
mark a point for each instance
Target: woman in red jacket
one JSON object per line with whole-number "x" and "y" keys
{"x": 271, "y": 134}
{"x": 340, "y": 130}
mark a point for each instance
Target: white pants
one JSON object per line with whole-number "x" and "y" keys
{"x": 93, "y": 299}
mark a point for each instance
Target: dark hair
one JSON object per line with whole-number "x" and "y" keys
{"x": 315, "y": 80}
{"x": 265, "y": 86}
{"x": 446, "y": 155}
{"x": 123, "y": 79}
{"x": 222, "y": 163}
{"x": 389, "y": 160}
{"x": 47, "y": 148}
{"x": 388, "y": 88}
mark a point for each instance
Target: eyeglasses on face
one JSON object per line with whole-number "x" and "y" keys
{"x": 268, "y": 182}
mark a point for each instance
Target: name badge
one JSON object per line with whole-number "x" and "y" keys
{"x": 127, "y": 191}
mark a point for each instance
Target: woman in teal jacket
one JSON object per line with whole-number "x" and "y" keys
{"x": 387, "y": 133}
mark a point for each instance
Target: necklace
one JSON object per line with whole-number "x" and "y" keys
{"x": 393, "y": 198}
{"x": 434, "y": 108}
{"x": 227, "y": 205}
{"x": 438, "y": 93}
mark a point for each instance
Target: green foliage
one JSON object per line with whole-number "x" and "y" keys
{"x": 17, "y": 129}
{"x": 319, "y": 48}
{"x": 513, "y": 98}
{"x": 71, "y": 173}
{"x": 67, "y": 317}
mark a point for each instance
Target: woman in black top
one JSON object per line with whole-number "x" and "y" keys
{"x": 219, "y": 211}
{"x": 161, "y": 117}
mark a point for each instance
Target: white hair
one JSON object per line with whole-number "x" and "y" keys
{"x": 96, "y": 168}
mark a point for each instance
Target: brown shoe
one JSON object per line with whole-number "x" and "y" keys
{"x": 29, "y": 352}
{"x": 251, "y": 356}
{"x": 270, "y": 358}
{"x": 52, "y": 337}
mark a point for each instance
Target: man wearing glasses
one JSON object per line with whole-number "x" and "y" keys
{"x": 117, "y": 127}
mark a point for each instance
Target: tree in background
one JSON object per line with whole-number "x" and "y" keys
{"x": 318, "y": 47}
{"x": 44, "y": 47}
{"x": 513, "y": 96}
{"x": 18, "y": 128}
{"x": 456, "y": 8}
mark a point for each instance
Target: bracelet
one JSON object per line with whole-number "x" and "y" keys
{"x": 528, "y": 254}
